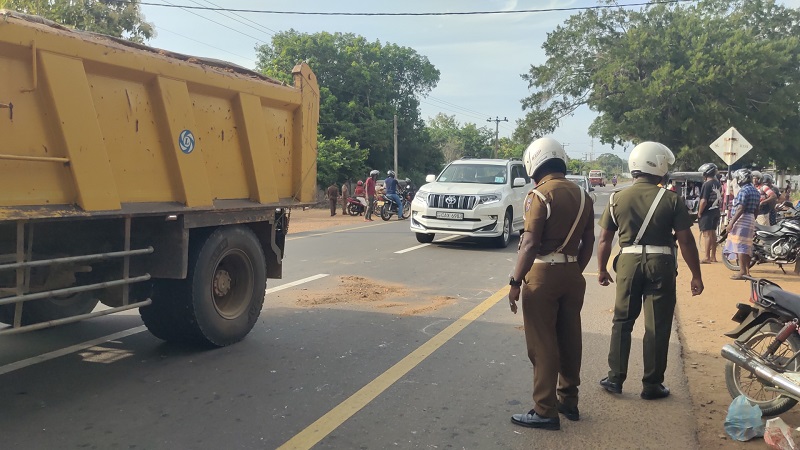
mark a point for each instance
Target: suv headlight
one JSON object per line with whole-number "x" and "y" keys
{"x": 422, "y": 197}
{"x": 487, "y": 199}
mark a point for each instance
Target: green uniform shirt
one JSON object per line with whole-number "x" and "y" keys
{"x": 630, "y": 208}
{"x": 564, "y": 199}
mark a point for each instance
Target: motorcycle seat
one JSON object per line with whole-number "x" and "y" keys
{"x": 768, "y": 228}
{"x": 784, "y": 299}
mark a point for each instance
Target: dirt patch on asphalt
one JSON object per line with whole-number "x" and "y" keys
{"x": 313, "y": 219}
{"x": 394, "y": 298}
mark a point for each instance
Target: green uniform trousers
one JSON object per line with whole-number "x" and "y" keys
{"x": 552, "y": 299}
{"x": 643, "y": 282}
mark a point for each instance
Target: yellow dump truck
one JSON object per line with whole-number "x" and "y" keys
{"x": 139, "y": 178}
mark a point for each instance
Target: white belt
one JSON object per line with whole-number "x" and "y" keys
{"x": 556, "y": 258}
{"x": 648, "y": 249}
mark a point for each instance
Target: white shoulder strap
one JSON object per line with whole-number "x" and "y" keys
{"x": 574, "y": 224}
{"x": 649, "y": 216}
{"x": 611, "y": 209}
{"x": 544, "y": 199}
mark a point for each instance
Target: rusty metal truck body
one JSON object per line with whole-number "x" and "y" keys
{"x": 140, "y": 178}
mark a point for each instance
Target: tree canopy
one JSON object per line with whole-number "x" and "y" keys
{"x": 362, "y": 86}
{"x": 455, "y": 140}
{"x": 114, "y": 18}
{"x": 680, "y": 74}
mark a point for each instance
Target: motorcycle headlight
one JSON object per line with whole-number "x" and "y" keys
{"x": 422, "y": 197}
{"x": 487, "y": 199}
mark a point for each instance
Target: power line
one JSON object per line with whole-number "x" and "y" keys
{"x": 409, "y": 14}
{"x": 189, "y": 8}
{"x": 231, "y": 17}
{"x": 160, "y": 28}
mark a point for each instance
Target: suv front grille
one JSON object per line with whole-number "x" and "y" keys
{"x": 447, "y": 201}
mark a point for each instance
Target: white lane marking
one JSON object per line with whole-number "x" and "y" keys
{"x": 295, "y": 283}
{"x": 399, "y": 252}
{"x": 66, "y": 351}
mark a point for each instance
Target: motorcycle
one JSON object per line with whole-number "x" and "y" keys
{"x": 763, "y": 358}
{"x": 355, "y": 207}
{"x": 389, "y": 207}
{"x": 778, "y": 244}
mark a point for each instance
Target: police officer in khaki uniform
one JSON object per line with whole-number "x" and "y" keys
{"x": 555, "y": 247}
{"x": 645, "y": 216}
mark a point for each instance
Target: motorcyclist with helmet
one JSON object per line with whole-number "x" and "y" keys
{"x": 645, "y": 216}
{"x": 708, "y": 211}
{"x": 373, "y": 176}
{"x": 555, "y": 246}
{"x": 360, "y": 193}
{"x": 392, "y": 187}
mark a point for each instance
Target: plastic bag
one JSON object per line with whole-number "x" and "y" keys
{"x": 744, "y": 420}
{"x": 779, "y": 436}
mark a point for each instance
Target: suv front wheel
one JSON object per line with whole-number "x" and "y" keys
{"x": 503, "y": 240}
{"x": 424, "y": 238}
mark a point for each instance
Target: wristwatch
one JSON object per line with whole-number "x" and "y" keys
{"x": 513, "y": 282}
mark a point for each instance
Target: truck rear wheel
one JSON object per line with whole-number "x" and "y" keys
{"x": 227, "y": 280}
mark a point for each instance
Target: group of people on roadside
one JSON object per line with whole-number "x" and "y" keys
{"x": 365, "y": 193}
{"x": 556, "y": 245}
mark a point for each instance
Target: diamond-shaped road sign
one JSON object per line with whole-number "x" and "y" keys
{"x": 731, "y": 146}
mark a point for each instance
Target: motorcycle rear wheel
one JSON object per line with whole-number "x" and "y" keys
{"x": 740, "y": 381}
{"x": 353, "y": 209}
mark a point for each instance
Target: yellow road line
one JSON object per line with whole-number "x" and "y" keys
{"x": 337, "y": 231}
{"x": 326, "y": 424}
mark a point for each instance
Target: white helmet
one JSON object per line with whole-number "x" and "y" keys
{"x": 651, "y": 158}
{"x": 540, "y": 151}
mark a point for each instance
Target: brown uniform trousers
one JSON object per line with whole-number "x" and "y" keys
{"x": 551, "y": 310}
{"x": 552, "y": 298}
{"x": 333, "y": 198}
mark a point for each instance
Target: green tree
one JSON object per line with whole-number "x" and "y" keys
{"x": 611, "y": 164}
{"x": 338, "y": 161}
{"x": 362, "y": 86}
{"x": 114, "y": 18}
{"x": 454, "y": 140}
{"x": 680, "y": 74}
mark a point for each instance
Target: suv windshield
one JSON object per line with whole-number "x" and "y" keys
{"x": 579, "y": 181}
{"x": 474, "y": 173}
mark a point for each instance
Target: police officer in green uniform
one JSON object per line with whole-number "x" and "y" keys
{"x": 645, "y": 216}
{"x": 555, "y": 247}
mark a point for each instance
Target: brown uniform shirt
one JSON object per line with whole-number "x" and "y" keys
{"x": 333, "y": 191}
{"x": 564, "y": 199}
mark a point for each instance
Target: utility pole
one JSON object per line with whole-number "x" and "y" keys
{"x": 496, "y": 121}
{"x": 395, "y": 144}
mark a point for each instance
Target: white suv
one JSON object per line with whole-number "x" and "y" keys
{"x": 472, "y": 197}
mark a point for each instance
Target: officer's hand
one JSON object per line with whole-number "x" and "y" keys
{"x": 697, "y": 286}
{"x": 604, "y": 278}
{"x": 513, "y": 297}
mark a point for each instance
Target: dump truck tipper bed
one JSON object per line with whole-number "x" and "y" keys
{"x": 141, "y": 178}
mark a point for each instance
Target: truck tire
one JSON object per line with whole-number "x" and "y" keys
{"x": 227, "y": 281}
{"x": 163, "y": 317}
{"x": 52, "y": 308}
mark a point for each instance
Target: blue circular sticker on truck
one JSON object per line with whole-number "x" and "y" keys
{"x": 186, "y": 141}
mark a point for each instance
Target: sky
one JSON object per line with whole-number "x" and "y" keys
{"x": 480, "y": 57}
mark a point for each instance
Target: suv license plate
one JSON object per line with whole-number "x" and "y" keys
{"x": 449, "y": 215}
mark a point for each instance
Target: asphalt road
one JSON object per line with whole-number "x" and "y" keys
{"x": 339, "y": 376}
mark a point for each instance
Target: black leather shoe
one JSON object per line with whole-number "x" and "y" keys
{"x": 533, "y": 420}
{"x": 655, "y": 393}
{"x": 610, "y": 386}
{"x": 570, "y": 413}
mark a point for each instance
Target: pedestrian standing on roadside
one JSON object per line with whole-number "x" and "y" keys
{"x": 373, "y": 176}
{"x": 708, "y": 214}
{"x": 555, "y": 246}
{"x": 768, "y": 200}
{"x": 333, "y": 197}
{"x": 345, "y": 195}
{"x": 645, "y": 216}
{"x": 741, "y": 227}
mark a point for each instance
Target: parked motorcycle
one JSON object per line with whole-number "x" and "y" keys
{"x": 778, "y": 244}
{"x": 389, "y": 207}
{"x": 763, "y": 358}
{"x": 355, "y": 207}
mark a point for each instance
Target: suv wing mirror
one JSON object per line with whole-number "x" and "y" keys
{"x": 430, "y": 178}
{"x": 591, "y": 189}
{"x": 519, "y": 182}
